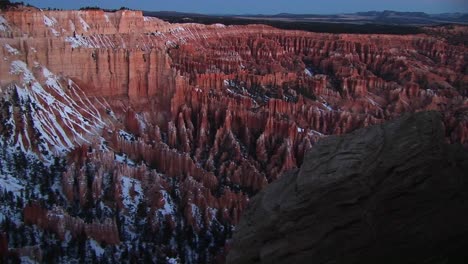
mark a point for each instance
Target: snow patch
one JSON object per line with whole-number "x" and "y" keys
{"x": 96, "y": 247}
{"x": 50, "y": 22}
{"x": 106, "y": 17}
{"x": 327, "y": 106}
{"x": 27, "y": 260}
{"x": 103, "y": 145}
{"x": 141, "y": 122}
{"x": 124, "y": 159}
{"x": 171, "y": 44}
{"x": 315, "y": 133}
{"x": 308, "y": 72}
{"x": 52, "y": 82}
{"x": 374, "y": 103}
{"x": 79, "y": 41}
{"x": 196, "y": 213}
{"x": 3, "y": 24}
{"x": 55, "y": 32}
{"x": 127, "y": 136}
{"x": 172, "y": 260}
{"x": 84, "y": 25}
{"x": 11, "y": 50}
{"x": 157, "y": 33}
{"x": 176, "y": 29}
{"x": 168, "y": 208}
{"x": 11, "y": 184}
{"x": 19, "y": 67}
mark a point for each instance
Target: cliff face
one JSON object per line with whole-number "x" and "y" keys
{"x": 189, "y": 120}
{"x": 392, "y": 193}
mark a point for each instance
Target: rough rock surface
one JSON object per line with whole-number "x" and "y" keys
{"x": 391, "y": 193}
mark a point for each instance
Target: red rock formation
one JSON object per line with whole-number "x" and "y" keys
{"x": 215, "y": 113}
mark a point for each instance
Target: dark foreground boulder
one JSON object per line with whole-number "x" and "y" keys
{"x": 394, "y": 193}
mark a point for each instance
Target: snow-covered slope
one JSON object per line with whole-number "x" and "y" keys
{"x": 59, "y": 115}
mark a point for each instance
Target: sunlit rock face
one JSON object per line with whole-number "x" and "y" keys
{"x": 150, "y": 137}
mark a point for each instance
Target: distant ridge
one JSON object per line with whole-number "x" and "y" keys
{"x": 386, "y": 17}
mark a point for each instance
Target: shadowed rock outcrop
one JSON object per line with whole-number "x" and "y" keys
{"x": 392, "y": 193}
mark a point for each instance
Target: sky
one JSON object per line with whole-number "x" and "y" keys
{"x": 265, "y": 6}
